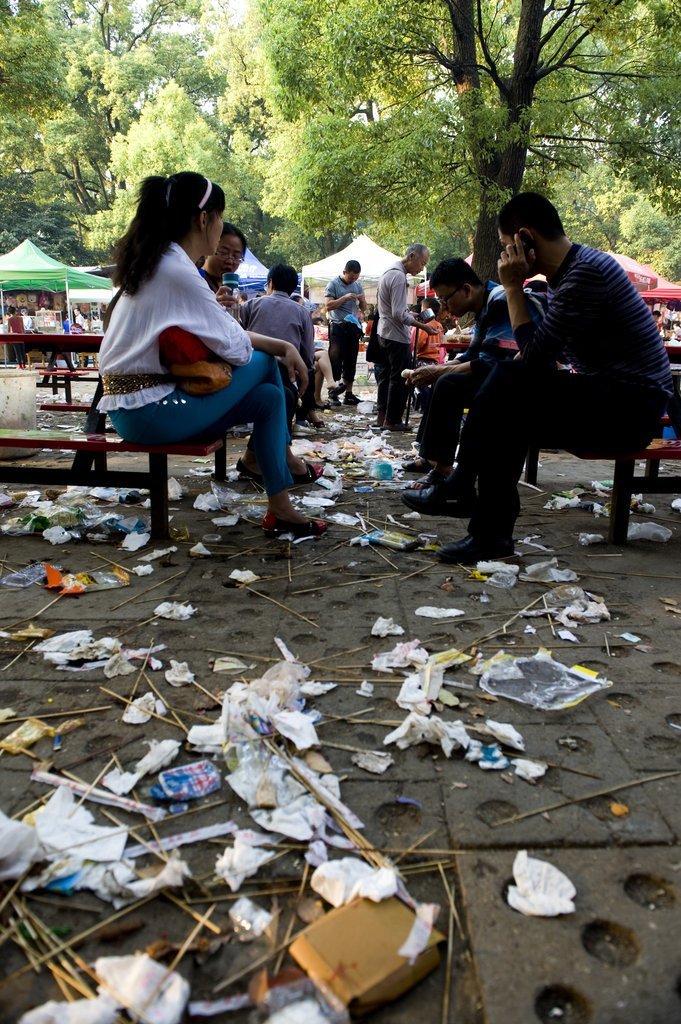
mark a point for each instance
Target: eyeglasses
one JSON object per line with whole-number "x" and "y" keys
{"x": 229, "y": 254}
{"x": 445, "y": 299}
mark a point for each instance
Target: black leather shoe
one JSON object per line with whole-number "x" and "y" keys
{"x": 337, "y": 391}
{"x": 434, "y": 501}
{"x": 471, "y": 550}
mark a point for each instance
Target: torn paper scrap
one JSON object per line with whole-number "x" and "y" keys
{"x": 140, "y": 710}
{"x": 529, "y": 770}
{"x": 505, "y": 733}
{"x": 375, "y": 761}
{"x": 179, "y": 674}
{"x": 102, "y": 1010}
{"x": 419, "y": 934}
{"x": 429, "y": 612}
{"x": 243, "y": 576}
{"x": 339, "y": 881}
{"x": 62, "y": 826}
{"x": 386, "y": 627}
{"x": 18, "y": 848}
{"x": 145, "y": 988}
{"x": 248, "y": 918}
{"x": 174, "y": 610}
{"x": 418, "y": 728}
{"x": 241, "y": 861}
{"x": 540, "y": 889}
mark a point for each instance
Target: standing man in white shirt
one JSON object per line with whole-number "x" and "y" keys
{"x": 394, "y": 335}
{"x": 344, "y": 299}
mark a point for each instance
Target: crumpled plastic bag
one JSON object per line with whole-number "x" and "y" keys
{"x": 505, "y": 733}
{"x": 540, "y": 889}
{"x": 548, "y": 572}
{"x": 649, "y": 531}
{"x": 339, "y": 881}
{"x": 401, "y": 656}
{"x": 144, "y": 987}
{"x": 429, "y": 612}
{"x": 539, "y": 681}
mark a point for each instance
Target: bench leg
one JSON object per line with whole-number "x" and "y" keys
{"x": 158, "y": 489}
{"x": 532, "y": 466}
{"x": 620, "y": 504}
{"x": 653, "y": 470}
{"x": 221, "y": 462}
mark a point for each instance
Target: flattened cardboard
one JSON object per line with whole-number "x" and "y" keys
{"x": 353, "y": 950}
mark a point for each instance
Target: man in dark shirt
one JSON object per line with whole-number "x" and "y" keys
{"x": 599, "y": 325}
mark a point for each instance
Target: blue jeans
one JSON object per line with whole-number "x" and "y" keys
{"x": 255, "y": 395}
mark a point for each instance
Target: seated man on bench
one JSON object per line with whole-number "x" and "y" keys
{"x": 612, "y": 398}
{"x": 460, "y": 291}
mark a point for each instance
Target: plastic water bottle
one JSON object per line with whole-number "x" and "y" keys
{"x": 231, "y": 281}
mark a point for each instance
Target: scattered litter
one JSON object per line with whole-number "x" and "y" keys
{"x": 188, "y": 782}
{"x": 392, "y": 539}
{"x": 529, "y": 770}
{"x": 429, "y": 612}
{"x": 18, "y": 848}
{"x": 207, "y": 503}
{"x": 174, "y": 610}
{"x": 386, "y": 627}
{"x": 143, "y": 987}
{"x": 179, "y": 674}
{"x": 100, "y": 1010}
{"x": 142, "y": 570}
{"x": 159, "y": 553}
{"x": 317, "y": 689}
{"x": 417, "y": 728}
{"x": 649, "y": 531}
{"x": 230, "y": 520}
{"x": 340, "y": 881}
{"x": 401, "y": 656}
{"x": 566, "y": 634}
{"x": 366, "y": 689}
{"x": 99, "y": 796}
{"x": 487, "y": 756}
{"x": 505, "y": 734}
{"x": 249, "y": 920}
{"x": 135, "y": 541}
{"x": 548, "y": 572}
{"x": 227, "y": 663}
{"x": 539, "y": 681}
{"x": 243, "y": 576}
{"x": 629, "y": 637}
{"x": 375, "y": 761}
{"x": 619, "y": 810}
{"x": 175, "y": 491}
{"x": 586, "y": 539}
{"x": 85, "y": 582}
{"x": 139, "y": 710}
{"x": 540, "y": 889}
{"x": 58, "y": 535}
{"x": 200, "y": 550}
{"x": 244, "y": 859}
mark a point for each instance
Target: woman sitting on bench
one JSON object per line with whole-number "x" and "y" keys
{"x": 178, "y": 220}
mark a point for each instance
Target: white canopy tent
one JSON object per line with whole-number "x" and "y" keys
{"x": 372, "y": 258}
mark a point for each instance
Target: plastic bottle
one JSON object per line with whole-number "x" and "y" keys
{"x": 231, "y": 281}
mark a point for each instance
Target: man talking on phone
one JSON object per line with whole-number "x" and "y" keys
{"x": 612, "y": 396}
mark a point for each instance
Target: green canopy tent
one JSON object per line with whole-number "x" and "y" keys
{"x": 27, "y": 266}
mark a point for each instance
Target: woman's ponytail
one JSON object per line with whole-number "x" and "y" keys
{"x": 165, "y": 210}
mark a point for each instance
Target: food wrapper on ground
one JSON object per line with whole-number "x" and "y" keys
{"x": 144, "y": 987}
{"x": 85, "y": 582}
{"x": 249, "y": 920}
{"x": 540, "y": 681}
{"x": 354, "y": 951}
{"x": 190, "y": 781}
{"x": 429, "y": 612}
{"x": 540, "y": 889}
{"x": 242, "y": 860}
{"x": 179, "y": 674}
{"x": 25, "y": 735}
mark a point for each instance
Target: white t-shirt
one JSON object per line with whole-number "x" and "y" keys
{"x": 176, "y": 296}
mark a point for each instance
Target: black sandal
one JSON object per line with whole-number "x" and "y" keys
{"x": 417, "y": 466}
{"x": 431, "y": 479}
{"x": 250, "y": 474}
{"x": 311, "y": 474}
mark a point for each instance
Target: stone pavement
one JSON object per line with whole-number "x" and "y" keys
{"x": 616, "y": 959}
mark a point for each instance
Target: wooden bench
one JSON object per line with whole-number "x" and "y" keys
{"x": 626, "y": 482}
{"x": 89, "y": 467}
{"x": 65, "y": 407}
{"x": 56, "y": 377}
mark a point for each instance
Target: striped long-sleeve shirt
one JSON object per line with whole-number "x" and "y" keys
{"x": 597, "y": 322}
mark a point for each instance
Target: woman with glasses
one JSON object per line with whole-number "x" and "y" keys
{"x": 178, "y": 220}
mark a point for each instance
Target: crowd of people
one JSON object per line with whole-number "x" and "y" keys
{"x": 537, "y": 358}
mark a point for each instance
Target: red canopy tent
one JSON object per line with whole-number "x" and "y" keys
{"x": 640, "y": 274}
{"x": 666, "y": 291}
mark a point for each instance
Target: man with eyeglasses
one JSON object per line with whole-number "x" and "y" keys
{"x": 394, "y": 335}
{"x": 228, "y": 257}
{"x": 461, "y": 292}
